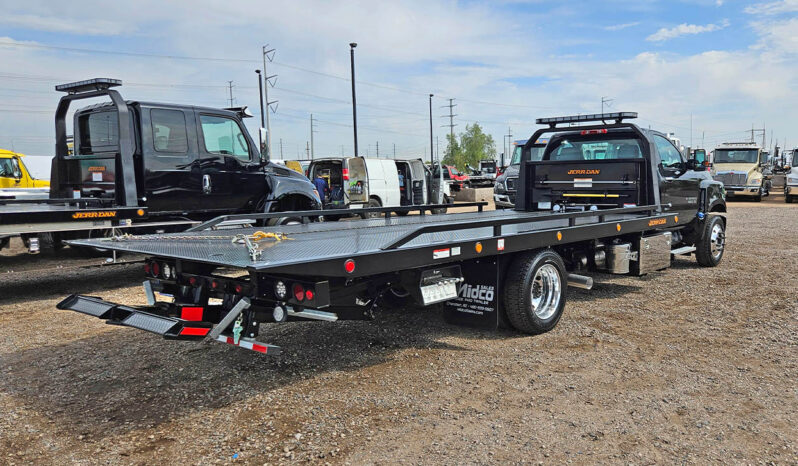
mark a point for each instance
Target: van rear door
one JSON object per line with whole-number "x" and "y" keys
{"x": 356, "y": 180}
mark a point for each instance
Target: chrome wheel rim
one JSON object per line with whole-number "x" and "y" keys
{"x": 717, "y": 240}
{"x": 545, "y": 293}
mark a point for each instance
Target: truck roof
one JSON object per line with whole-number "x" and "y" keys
{"x": 140, "y": 103}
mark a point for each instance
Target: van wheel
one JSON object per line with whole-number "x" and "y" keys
{"x": 758, "y": 198}
{"x": 372, "y": 203}
{"x": 534, "y": 291}
{"x": 710, "y": 246}
{"x": 402, "y": 213}
{"x": 788, "y": 199}
{"x": 279, "y": 221}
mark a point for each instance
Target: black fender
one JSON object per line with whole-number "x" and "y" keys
{"x": 287, "y": 184}
{"x": 714, "y": 196}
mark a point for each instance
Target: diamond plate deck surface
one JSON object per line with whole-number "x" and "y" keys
{"x": 322, "y": 241}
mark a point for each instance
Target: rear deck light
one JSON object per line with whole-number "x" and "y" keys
{"x": 345, "y": 174}
{"x": 309, "y": 295}
{"x": 299, "y": 292}
{"x": 349, "y": 266}
{"x": 593, "y": 131}
{"x": 280, "y": 290}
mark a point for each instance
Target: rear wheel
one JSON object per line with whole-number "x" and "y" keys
{"x": 372, "y": 204}
{"x": 534, "y": 291}
{"x": 710, "y": 247}
{"x": 285, "y": 221}
{"x": 788, "y": 199}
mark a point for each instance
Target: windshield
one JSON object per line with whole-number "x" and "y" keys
{"x": 596, "y": 149}
{"x": 736, "y": 155}
{"x": 99, "y": 131}
{"x": 536, "y": 153}
{"x": 488, "y": 167}
{"x": 794, "y": 159}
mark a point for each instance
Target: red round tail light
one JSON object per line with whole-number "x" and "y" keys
{"x": 349, "y": 266}
{"x": 239, "y": 288}
{"x": 156, "y": 269}
{"x": 147, "y": 269}
{"x": 214, "y": 284}
{"x": 192, "y": 281}
{"x": 309, "y": 294}
{"x": 299, "y": 292}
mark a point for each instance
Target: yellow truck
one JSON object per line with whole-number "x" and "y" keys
{"x": 742, "y": 168}
{"x": 14, "y": 174}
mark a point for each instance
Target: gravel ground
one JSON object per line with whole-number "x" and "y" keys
{"x": 691, "y": 365}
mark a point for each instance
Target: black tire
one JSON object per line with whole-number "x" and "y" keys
{"x": 537, "y": 272}
{"x": 284, "y": 221}
{"x": 788, "y": 199}
{"x": 372, "y": 203}
{"x": 402, "y": 213}
{"x": 332, "y": 218}
{"x": 711, "y": 244}
{"x": 758, "y": 198}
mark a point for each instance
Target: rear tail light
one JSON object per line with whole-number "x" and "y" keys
{"x": 299, "y": 292}
{"x": 147, "y": 269}
{"x": 309, "y": 295}
{"x": 345, "y": 173}
{"x": 215, "y": 285}
{"x": 239, "y": 288}
{"x": 192, "y": 281}
{"x": 156, "y": 269}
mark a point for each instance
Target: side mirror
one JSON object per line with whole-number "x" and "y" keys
{"x": 16, "y": 171}
{"x": 264, "y": 148}
{"x": 695, "y": 165}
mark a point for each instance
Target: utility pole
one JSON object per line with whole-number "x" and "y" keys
{"x": 451, "y": 116}
{"x": 437, "y": 148}
{"x": 312, "y": 130}
{"x": 691, "y": 130}
{"x": 431, "y": 158}
{"x": 307, "y": 149}
{"x": 378, "y": 149}
{"x": 352, "y": 46}
{"x": 394, "y": 150}
{"x": 268, "y": 54}
{"x": 605, "y": 101}
{"x": 281, "y": 148}
{"x": 230, "y": 86}
{"x": 509, "y": 139}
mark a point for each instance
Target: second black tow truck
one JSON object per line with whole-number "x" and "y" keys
{"x": 608, "y": 197}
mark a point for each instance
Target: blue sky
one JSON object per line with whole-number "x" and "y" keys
{"x": 727, "y": 65}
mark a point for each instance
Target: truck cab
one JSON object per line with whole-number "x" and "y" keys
{"x": 14, "y": 174}
{"x": 742, "y": 168}
{"x": 791, "y": 178}
{"x": 175, "y": 160}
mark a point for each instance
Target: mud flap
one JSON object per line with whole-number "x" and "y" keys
{"x": 479, "y": 296}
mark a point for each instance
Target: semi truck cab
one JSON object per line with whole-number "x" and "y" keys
{"x": 742, "y": 168}
{"x": 791, "y": 179}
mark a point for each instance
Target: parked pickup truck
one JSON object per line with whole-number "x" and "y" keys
{"x": 629, "y": 211}
{"x": 742, "y": 168}
{"x": 505, "y": 189}
{"x": 145, "y": 166}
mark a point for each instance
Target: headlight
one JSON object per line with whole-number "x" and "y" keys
{"x": 755, "y": 181}
{"x": 792, "y": 180}
{"x": 500, "y": 188}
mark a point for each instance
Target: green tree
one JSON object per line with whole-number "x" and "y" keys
{"x": 474, "y": 145}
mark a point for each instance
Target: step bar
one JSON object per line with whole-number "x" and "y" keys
{"x": 151, "y": 319}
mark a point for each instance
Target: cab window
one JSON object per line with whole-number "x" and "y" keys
{"x": 670, "y": 157}
{"x": 223, "y": 136}
{"x": 9, "y": 168}
{"x": 598, "y": 148}
{"x": 99, "y": 132}
{"x": 169, "y": 131}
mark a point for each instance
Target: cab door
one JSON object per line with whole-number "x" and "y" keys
{"x": 436, "y": 184}
{"x": 679, "y": 187}
{"x": 10, "y": 173}
{"x": 229, "y": 165}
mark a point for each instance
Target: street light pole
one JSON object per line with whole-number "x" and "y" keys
{"x": 352, "y": 46}
{"x": 431, "y": 153}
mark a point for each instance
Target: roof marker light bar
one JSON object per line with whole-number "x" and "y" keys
{"x": 96, "y": 84}
{"x": 617, "y": 116}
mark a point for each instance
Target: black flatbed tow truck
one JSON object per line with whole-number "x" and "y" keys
{"x": 508, "y": 268}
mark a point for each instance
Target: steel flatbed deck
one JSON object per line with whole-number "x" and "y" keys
{"x": 389, "y": 244}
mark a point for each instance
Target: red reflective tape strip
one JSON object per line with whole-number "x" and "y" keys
{"x": 191, "y": 313}
{"x": 259, "y": 348}
{"x": 197, "y": 331}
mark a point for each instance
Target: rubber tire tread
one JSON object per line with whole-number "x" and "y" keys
{"x": 703, "y": 248}
{"x": 517, "y": 284}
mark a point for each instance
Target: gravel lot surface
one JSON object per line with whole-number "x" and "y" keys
{"x": 692, "y": 365}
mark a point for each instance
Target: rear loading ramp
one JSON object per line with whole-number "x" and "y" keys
{"x": 388, "y": 245}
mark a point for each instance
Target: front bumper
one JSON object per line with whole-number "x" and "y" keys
{"x": 504, "y": 200}
{"x": 743, "y": 191}
{"x": 791, "y": 190}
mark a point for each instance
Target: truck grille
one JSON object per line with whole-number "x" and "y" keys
{"x": 731, "y": 179}
{"x": 511, "y": 183}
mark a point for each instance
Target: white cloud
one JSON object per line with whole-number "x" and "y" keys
{"x": 95, "y": 27}
{"x": 618, "y": 27}
{"x": 773, "y": 8}
{"x": 683, "y": 30}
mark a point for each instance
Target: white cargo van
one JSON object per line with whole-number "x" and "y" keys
{"x": 357, "y": 182}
